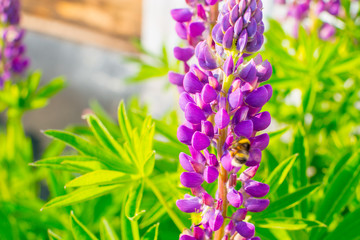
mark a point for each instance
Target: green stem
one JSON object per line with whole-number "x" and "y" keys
{"x": 179, "y": 224}
{"x": 135, "y": 230}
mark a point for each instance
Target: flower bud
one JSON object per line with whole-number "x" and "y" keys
{"x": 256, "y": 189}
{"x": 208, "y": 94}
{"x": 191, "y": 179}
{"x": 245, "y": 229}
{"x": 181, "y": 14}
{"x": 261, "y": 121}
{"x": 260, "y": 141}
{"x": 211, "y": 174}
{"x": 189, "y": 204}
{"x": 183, "y": 54}
{"x": 244, "y": 129}
{"x": 194, "y": 114}
{"x": 257, "y": 98}
{"x": 185, "y": 134}
{"x": 222, "y": 118}
{"x": 256, "y": 204}
{"x": 200, "y": 141}
{"x": 185, "y": 162}
{"x": 191, "y": 83}
{"x": 234, "y": 197}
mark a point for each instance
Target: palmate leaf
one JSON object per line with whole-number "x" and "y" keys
{"x": 289, "y": 200}
{"x": 288, "y": 223}
{"x": 152, "y": 233}
{"x": 80, "y": 232}
{"x": 82, "y": 194}
{"x": 101, "y": 177}
{"x": 106, "y": 231}
{"x": 85, "y": 147}
{"x": 279, "y": 174}
{"x": 339, "y": 192}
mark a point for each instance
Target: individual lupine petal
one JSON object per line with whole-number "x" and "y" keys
{"x": 217, "y": 34}
{"x": 247, "y": 16}
{"x": 222, "y": 118}
{"x": 229, "y": 66}
{"x": 264, "y": 71}
{"x": 192, "y": 83}
{"x": 191, "y": 179}
{"x": 225, "y": 22}
{"x": 194, "y": 114}
{"x": 211, "y": 174}
{"x": 248, "y": 173}
{"x": 242, "y": 7}
{"x": 255, "y": 238}
{"x": 189, "y": 204}
{"x": 269, "y": 90}
{"x": 181, "y": 14}
{"x": 198, "y": 232}
{"x": 234, "y": 14}
{"x": 185, "y": 134}
{"x": 198, "y": 167}
{"x": 244, "y": 129}
{"x": 260, "y": 141}
{"x": 245, "y": 229}
{"x": 260, "y": 28}
{"x": 183, "y": 54}
{"x": 235, "y": 98}
{"x": 253, "y": 5}
{"x": 207, "y": 199}
{"x": 261, "y": 121}
{"x": 255, "y": 44}
{"x": 201, "y": 12}
{"x": 254, "y": 157}
{"x": 207, "y": 128}
{"x": 238, "y": 26}
{"x": 181, "y": 31}
{"x": 257, "y": 98}
{"x": 196, "y": 29}
{"x": 226, "y": 162}
{"x": 184, "y": 99}
{"x": 216, "y": 221}
{"x": 187, "y": 237}
{"x": 251, "y": 28}
{"x": 213, "y": 82}
{"x": 229, "y": 140}
{"x": 256, "y": 189}
{"x": 248, "y": 73}
{"x": 229, "y": 229}
{"x": 211, "y": 2}
{"x": 200, "y": 74}
{"x": 228, "y": 38}
{"x": 326, "y": 31}
{"x": 200, "y": 141}
{"x": 197, "y": 155}
{"x": 243, "y": 38}
{"x": 176, "y": 78}
{"x": 240, "y": 115}
{"x": 231, "y": 3}
{"x": 239, "y": 215}
{"x": 234, "y": 197}
{"x": 185, "y": 162}
{"x": 256, "y": 204}
{"x": 208, "y": 94}
{"x": 258, "y": 15}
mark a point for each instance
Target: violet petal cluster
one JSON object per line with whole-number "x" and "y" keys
{"x": 191, "y": 25}
{"x": 222, "y": 99}
{"x": 13, "y": 61}
{"x": 300, "y": 10}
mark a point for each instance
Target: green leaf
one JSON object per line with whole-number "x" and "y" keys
{"x": 278, "y": 175}
{"x": 126, "y": 228}
{"x": 100, "y": 177}
{"x": 132, "y": 207}
{"x": 152, "y": 233}
{"x": 87, "y": 148}
{"x": 106, "y": 231}
{"x": 80, "y": 232}
{"x": 348, "y": 227}
{"x": 149, "y": 164}
{"x": 278, "y": 132}
{"x": 288, "y": 223}
{"x": 53, "y": 236}
{"x": 339, "y": 192}
{"x": 289, "y": 200}
{"x": 51, "y": 88}
{"x": 124, "y": 123}
{"x": 103, "y": 135}
{"x": 58, "y": 163}
{"x": 80, "y": 195}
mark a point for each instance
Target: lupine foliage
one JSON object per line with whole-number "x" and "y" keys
{"x": 122, "y": 177}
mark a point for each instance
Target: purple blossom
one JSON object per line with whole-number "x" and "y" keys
{"x": 12, "y": 50}
{"x": 222, "y": 100}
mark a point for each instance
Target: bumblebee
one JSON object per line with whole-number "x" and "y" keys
{"x": 239, "y": 151}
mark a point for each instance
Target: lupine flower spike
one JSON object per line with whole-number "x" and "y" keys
{"x": 222, "y": 97}
{"x": 12, "y": 48}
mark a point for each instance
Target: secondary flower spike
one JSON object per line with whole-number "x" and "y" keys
{"x": 12, "y": 49}
{"x": 222, "y": 96}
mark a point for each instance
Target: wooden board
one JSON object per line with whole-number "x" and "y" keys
{"x": 110, "y": 19}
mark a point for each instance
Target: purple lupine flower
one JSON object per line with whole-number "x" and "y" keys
{"x": 222, "y": 100}
{"x": 12, "y": 50}
{"x": 300, "y": 11}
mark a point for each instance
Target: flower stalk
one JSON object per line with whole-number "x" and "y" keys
{"x": 222, "y": 96}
